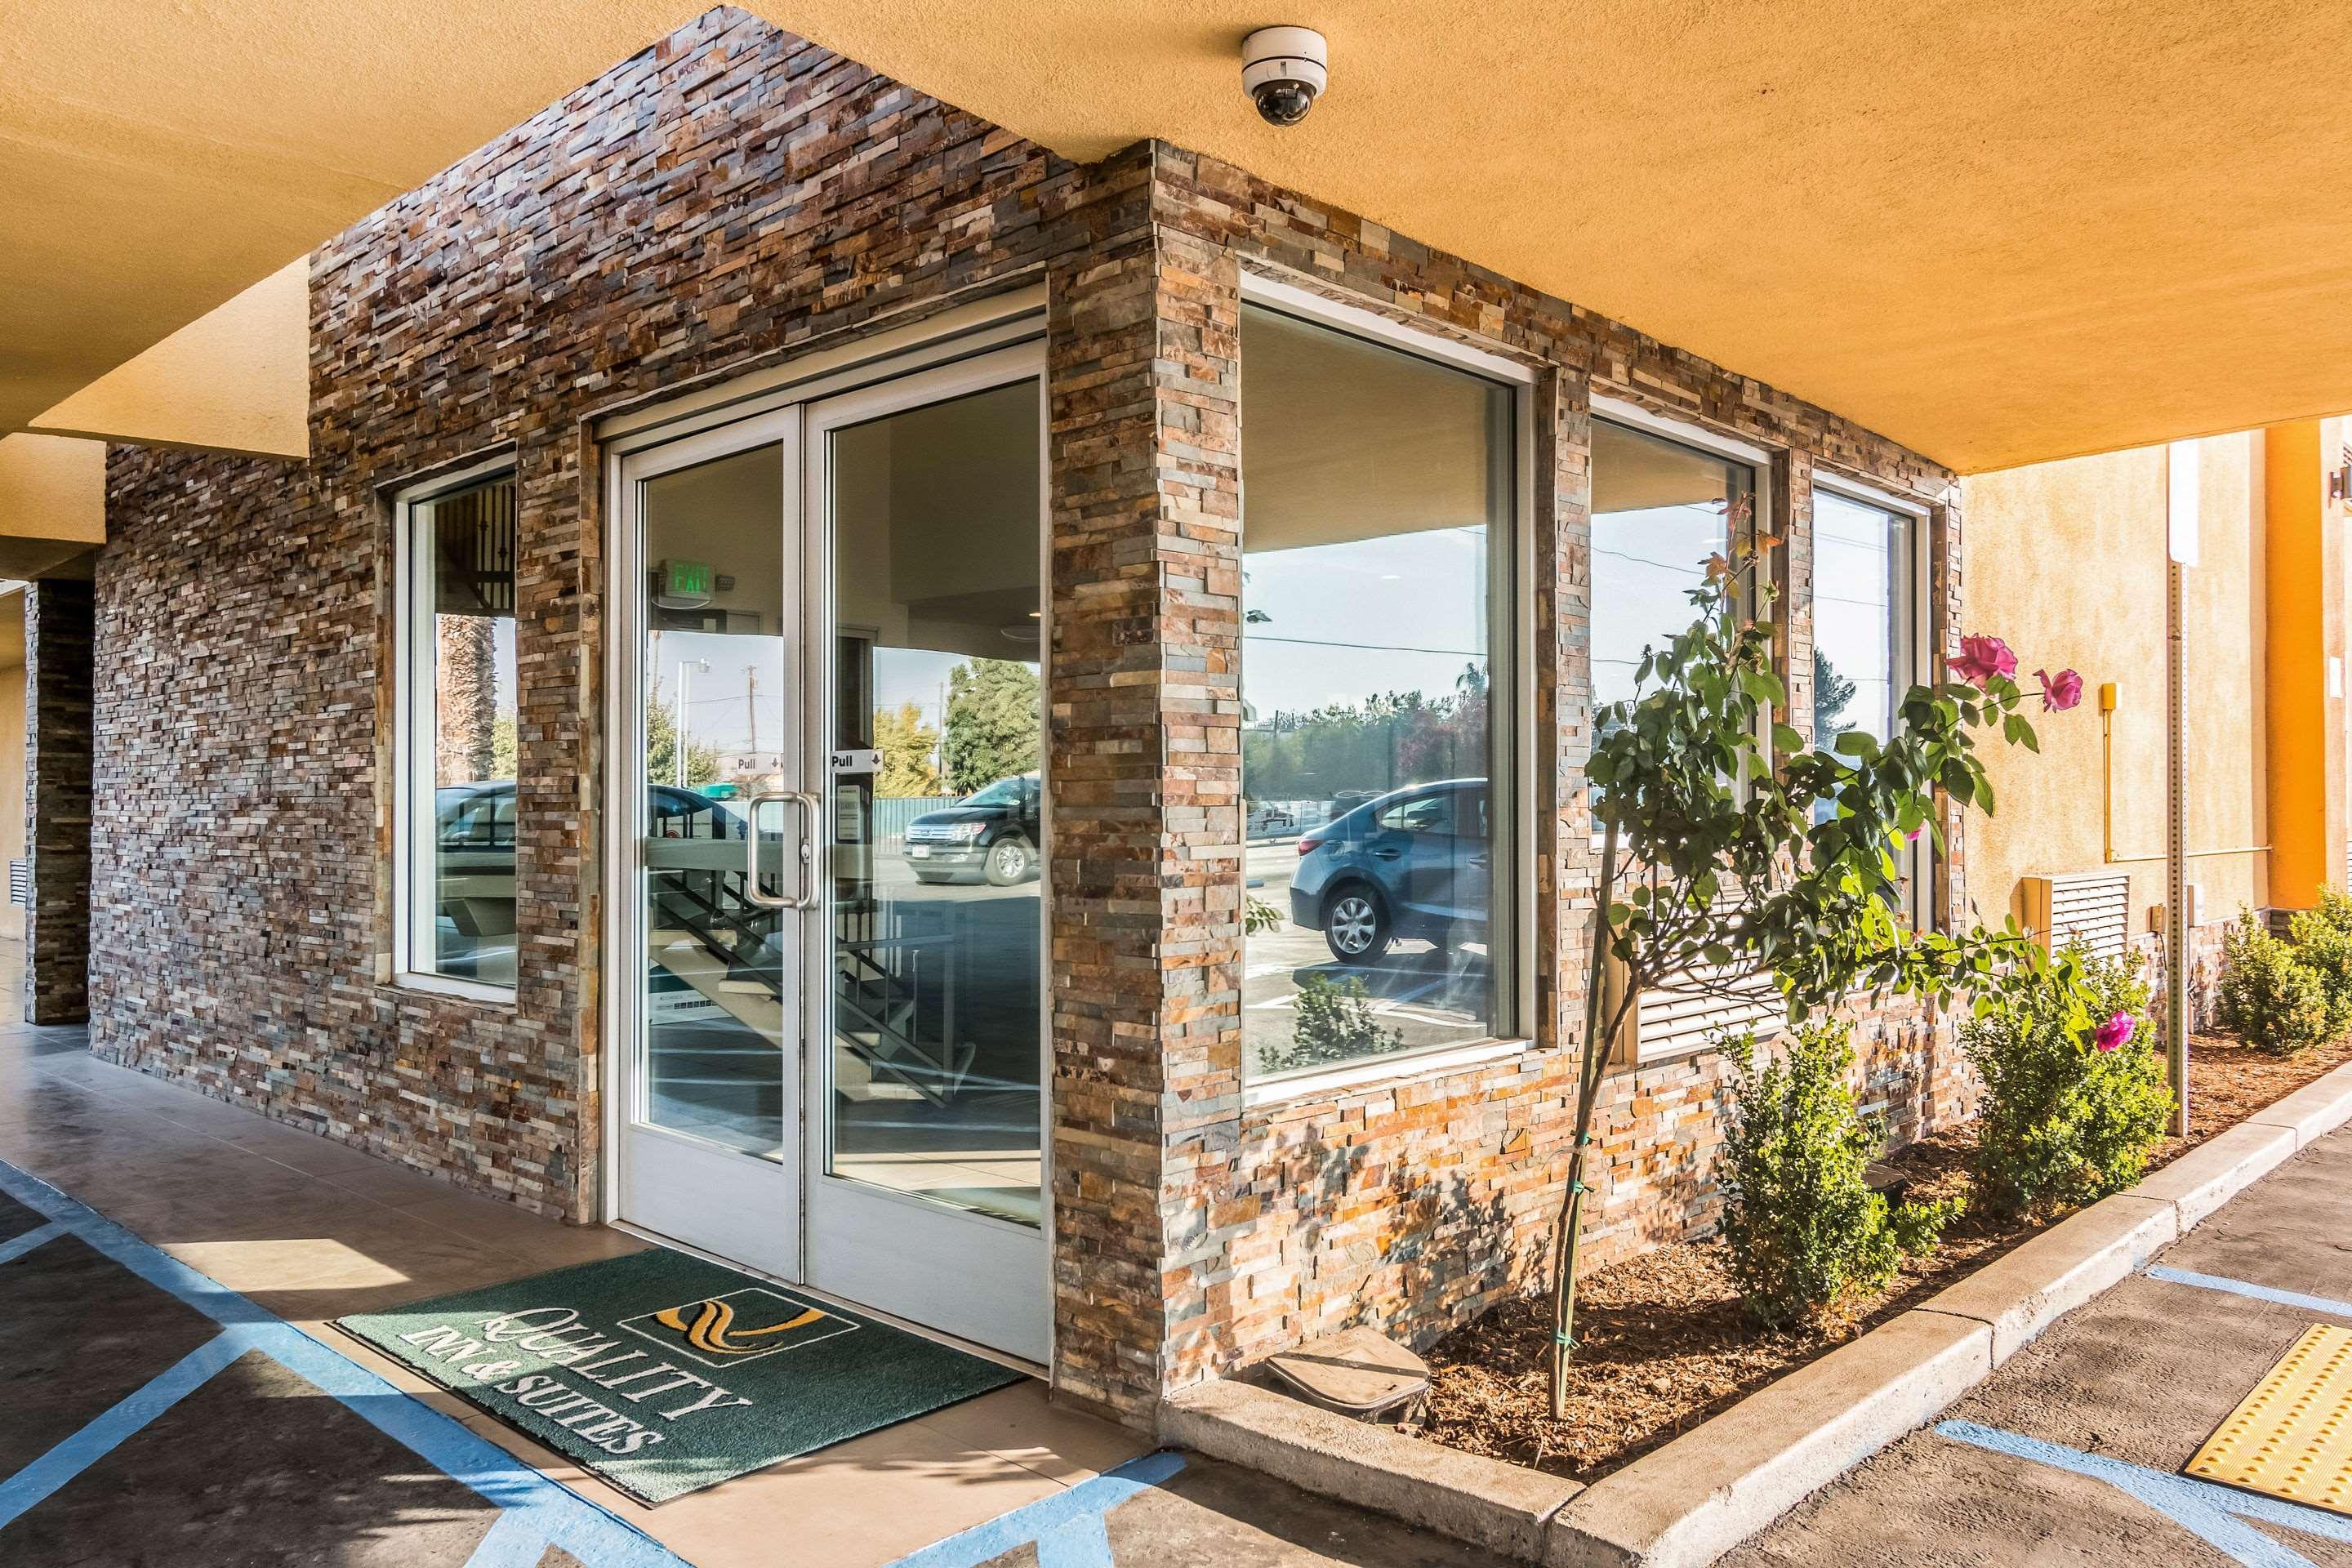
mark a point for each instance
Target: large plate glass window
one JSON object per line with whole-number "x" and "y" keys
{"x": 457, "y": 734}
{"x": 1378, "y": 497}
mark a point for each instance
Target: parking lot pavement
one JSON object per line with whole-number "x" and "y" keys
{"x": 1181, "y": 1511}
{"x": 2071, "y": 1452}
{"x": 156, "y": 1418}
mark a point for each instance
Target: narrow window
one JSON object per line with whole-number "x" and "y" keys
{"x": 456, "y": 820}
{"x": 1660, "y": 511}
{"x": 1863, "y": 630}
{"x": 1379, "y": 495}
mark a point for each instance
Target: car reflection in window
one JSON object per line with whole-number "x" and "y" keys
{"x": 989, "y": 837}
{"x": 475, "y": 875}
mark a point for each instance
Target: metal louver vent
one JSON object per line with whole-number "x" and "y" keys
{"x": 1703, "y": 1007}
{"x": 2092, "y": 910}
{"x": 1713, "y": 1003}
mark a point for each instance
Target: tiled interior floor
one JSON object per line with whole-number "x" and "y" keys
{"x": 312, "y": 1230}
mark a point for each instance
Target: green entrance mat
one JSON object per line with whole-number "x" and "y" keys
{"x": 664, "y": 1374}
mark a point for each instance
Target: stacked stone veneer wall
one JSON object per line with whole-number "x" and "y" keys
{"x": 57, "y": 762}
{"x": 717, "y": 201}
{"x": 1415, "y": 1204}
{"x": 723, "y": 201}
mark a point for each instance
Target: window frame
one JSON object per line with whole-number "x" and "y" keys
{"x": 1914, "y": 643}
{"x": 1510, "y": 719}
{"x": 415, "y": 837}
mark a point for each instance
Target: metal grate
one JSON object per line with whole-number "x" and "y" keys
{"x": 20, "y": 881}
{"x": 2092, "y": 910}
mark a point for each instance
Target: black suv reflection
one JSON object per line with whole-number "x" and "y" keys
{"x": 992, "y": 836}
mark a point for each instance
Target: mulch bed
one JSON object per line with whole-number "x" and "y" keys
{"x": 1662, "y": 1343}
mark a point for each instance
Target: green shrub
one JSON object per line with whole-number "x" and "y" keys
{"x": 1803, "y": 1227}
{"x": 2074, "y": 1086}
{"x": 2324, "y": 948}
{"x": 2323, "y": 945}
{"x": 2269, "y": 997}
{"x": 1336, "y": 1023}
{"x": 2335, "y": 910}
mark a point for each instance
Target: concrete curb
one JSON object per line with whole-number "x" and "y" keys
{"x": 1704, "y": 1494}
{"x": 1685, "y": 1504}
{"x": 1489, "y": 1504}
{"x": 2022, "y": 1292}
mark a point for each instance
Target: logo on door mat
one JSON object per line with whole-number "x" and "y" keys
{"x": 740, "y": 1326}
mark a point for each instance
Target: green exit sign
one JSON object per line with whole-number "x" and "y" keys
{"x": 685, "y": 579}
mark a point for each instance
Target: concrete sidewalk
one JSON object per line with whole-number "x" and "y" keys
{"x": 2070, "y": 1452}
{"x": 170, "y": 1395}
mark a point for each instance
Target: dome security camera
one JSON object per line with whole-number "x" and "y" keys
{"x": 1285, "y": 70}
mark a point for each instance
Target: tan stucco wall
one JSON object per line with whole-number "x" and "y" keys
{"x": 2067, "y": 561}
{"x": 52, "y": 501}
{"x": 236, "y": 379}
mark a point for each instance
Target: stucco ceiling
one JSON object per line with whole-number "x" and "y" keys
{"x": 1998, "y": 233}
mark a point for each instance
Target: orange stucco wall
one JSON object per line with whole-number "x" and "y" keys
{"x": 2306, "y": 741}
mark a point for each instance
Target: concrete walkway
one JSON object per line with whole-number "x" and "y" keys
{"x": 2071, "y": 1453}
{"x": 170, "y": 1394}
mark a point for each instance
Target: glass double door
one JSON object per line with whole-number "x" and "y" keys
{"x": 828, "y": 1064}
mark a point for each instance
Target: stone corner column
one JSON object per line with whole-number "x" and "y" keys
{"x": 59, "y": 620}
{"x": 1144, "y": 764}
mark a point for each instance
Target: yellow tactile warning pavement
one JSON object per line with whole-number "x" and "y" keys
{"x": 2291, "y": 1436}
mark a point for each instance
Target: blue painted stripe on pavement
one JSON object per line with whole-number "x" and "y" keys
{"x": 132, "y": 1412}
{"x": 158, "y": 1269}
{"x": 1049, "y": 1516}
{"x": 1083, "y": 1543}
{"x": 2200, "y": 1507}
{"x": 15, "y": 1246}
{"x": 513, "y": 1541}
{"x": 2259, "y": 1292}
{"x": 556, "y": 1514}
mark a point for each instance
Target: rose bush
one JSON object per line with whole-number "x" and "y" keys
{"x": 1774, "y": 856}
{"x": 2076, "y": 1094}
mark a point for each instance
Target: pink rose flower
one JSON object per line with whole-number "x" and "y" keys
{"x": 2114, "y": 1032}
{"x": 2059, "y": 691}
{"x": 1981, "y": 658}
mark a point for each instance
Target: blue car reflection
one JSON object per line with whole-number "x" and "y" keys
{"x": 1411, "y": 865}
